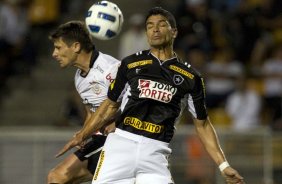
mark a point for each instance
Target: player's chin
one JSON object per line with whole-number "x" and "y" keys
{"x": 159, "y": 44}
{"x": 63, "y": 65}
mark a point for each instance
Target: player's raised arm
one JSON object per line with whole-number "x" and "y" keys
{"x": 208, "y": 136}
{"x": 102, "y": 116}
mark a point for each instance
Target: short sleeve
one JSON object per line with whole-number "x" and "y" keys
{"x": 117, "y": 86}
{"x": 196, "y": 99}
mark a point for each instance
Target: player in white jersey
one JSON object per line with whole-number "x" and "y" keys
{"x": 73, "y": 47}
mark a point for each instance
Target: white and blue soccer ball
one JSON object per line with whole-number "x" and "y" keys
{"x": 104, "y": 20}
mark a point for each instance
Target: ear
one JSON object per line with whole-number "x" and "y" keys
{"x": 76, "y": 47}
{"x": 174, "y": 32}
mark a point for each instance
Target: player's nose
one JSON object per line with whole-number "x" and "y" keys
{"x": 54, "y": 54}
{"x": 156, "y": 28}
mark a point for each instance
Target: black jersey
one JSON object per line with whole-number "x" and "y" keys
{"x": 156, "y": 89}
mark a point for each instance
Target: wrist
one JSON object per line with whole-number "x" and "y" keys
{"x": 80, "y": 136}
{"x": 223, "y": 166}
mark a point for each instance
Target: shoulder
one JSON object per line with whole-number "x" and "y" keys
{"x": 108, "y": 59}
{"x": 186, "y": 69}
{"x": 140, "y": 55}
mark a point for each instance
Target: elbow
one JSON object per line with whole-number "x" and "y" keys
{"x": 201, "y": 123}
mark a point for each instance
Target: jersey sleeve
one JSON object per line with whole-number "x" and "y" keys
{"x": 117, "y": 86}
{"x": 196, "y": 100}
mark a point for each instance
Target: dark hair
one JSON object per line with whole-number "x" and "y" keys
{"x": 74, "y": 31}
{"x": 160, "y": 11}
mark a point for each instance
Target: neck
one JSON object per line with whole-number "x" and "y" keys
{"x": 83, "y": 61}
{"x": 163, "y": 54}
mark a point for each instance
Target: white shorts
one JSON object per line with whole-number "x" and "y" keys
{"x": 133, "y": 159}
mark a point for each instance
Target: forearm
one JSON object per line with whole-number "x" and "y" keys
{"x": 87, "y": 116}
{"x": 210, "y": 141}
{"x": 101, "y": 117}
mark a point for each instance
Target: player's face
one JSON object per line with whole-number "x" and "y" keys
{"x": 159, "y": 32}
{"x": 63, "y": 53}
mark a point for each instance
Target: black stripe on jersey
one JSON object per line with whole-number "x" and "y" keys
{"x": 94, "y": 56}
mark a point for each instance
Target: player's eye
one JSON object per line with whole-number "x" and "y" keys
{"x": 149, "y": 26}
{"x": 163, "y": 24}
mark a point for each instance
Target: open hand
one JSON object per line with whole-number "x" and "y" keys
{"x": 232, "y": 176}
{"x": 82, "y": 144}
{"x": 75, "y": 141}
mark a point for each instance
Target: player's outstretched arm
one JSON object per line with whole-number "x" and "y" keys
{"x": 101, "y": 117}
{"x": 208, "y": 136}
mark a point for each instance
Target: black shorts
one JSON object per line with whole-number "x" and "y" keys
{"x": 91, "y": 151}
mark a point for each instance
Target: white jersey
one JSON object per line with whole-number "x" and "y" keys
{"x": 93, "y": 88}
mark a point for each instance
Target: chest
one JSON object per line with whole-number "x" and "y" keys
{"x": 159, "y": 81}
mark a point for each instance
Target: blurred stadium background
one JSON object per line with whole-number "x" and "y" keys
{"x": 223, "y": 39}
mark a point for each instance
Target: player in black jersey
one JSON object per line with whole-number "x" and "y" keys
{"x": 137, "y": 152}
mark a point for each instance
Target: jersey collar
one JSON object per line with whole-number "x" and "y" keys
{"x": 175, "y": 57}
{"x": 94, "y": 56}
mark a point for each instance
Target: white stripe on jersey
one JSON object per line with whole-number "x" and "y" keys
{"x": 191, "y": 106}
{"x": 94, "y": 87}
{"x": 93, "y": 152}
{"x": 126, "y": 93}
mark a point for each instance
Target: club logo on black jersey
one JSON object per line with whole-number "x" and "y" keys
{"x": 156, "y": 90}
{"x": 178, "y": 79}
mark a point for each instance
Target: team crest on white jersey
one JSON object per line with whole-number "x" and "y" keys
{"x": 156, "y": 90}
{"x": 96, "y": 88}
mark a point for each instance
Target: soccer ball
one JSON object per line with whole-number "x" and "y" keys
{"x": 104, "y": 20}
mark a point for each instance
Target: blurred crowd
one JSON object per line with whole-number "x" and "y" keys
{"x": 24, "y": 25}
{"x": 17, "y": 51}
{"x": 235, "y": 44}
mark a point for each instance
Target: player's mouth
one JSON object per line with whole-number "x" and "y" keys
{"x": 156, "y": 37}
{"x": 58, "y": 59}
